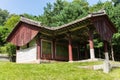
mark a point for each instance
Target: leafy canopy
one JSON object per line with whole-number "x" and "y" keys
{"x": 62, "y": 12}
{"x": 3, "y": 16}
{"x": 12, "y": 21}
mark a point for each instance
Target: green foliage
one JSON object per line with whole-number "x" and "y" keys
{"x": 62, "y": 12}
{"x": 116, "y": 39}
{"x": 11, "y": 50}
{"x": 3, "y": 34}
{"x": 98, "y": 43}
{"x": 115, "y": 16}
{"x": 3, "y": 16}
{"x": 3, "y": 50}
{"x": 57, "y": 14}
{"x": 28, "y": 16}
{"x": 36, "y": 18}
{"x": 96, "y": 7}
{"x": 12, "y": 21}
{"x": 116, "y": 2}
{"x": 108, "y": 6}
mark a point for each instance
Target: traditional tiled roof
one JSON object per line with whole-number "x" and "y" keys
{"x": 69, "y": 27}
{"x": 38, "y": 24}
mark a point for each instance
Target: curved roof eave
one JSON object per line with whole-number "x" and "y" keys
{"x": 59, "y": 28}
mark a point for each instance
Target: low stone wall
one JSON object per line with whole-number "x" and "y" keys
{"x": 4, "y": 57}
{"x": 26, "y": 55}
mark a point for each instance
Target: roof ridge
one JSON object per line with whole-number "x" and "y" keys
{"x": 39, "y": 24}
{"x": 24, "y": 19}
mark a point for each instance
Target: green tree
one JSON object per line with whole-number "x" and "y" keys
{"x": 96, "y": 7}
{"x": 12, "y": 21}
{"x": 62, "y": 12}
{"x": 3, "y": 34}
{"x": 27, "y": 16}
{"x": 3, "y": 16}
{"x": 11, "y": 50}
{"x": 36, "y": 18}
{"x": 109, "y": 8}
{"x": 98, "y": 44}
{"x": 114, "y": 14}
{"x": 47, "y": 17}
{"x": 116, "y": 2}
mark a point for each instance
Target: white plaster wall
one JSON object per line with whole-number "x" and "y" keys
{"x": 26, "y": 55}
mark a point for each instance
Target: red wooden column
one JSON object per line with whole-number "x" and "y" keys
{"x": 38, "y": 49}
{"x": 106, "y": 67}
{"x": 54, "y": 49}
{"x": 70, "y": 49}
{"x": 91, "y": 44}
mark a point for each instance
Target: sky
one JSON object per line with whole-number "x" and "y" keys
{"x": 33, "y": 7}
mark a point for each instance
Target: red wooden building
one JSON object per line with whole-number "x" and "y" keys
{"x": 68, "y": 42}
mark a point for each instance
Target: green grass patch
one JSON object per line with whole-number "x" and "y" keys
{"x": 54, "y": 71}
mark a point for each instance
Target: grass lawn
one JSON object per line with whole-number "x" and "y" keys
{"x": 54, "y": 71}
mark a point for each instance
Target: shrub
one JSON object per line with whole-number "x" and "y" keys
{"x": 11, "y": 50}
{"x": 3, "y": 50}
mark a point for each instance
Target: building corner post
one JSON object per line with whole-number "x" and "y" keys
{"x": 91, "y": 44}
{"x": 38, "y": 42}
{"x": 106, "y": 64}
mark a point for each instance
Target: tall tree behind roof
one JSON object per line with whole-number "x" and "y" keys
{"x": 116, "y": 2}
{"x": 12, "y": 21}
{"x": 3, "y": 16}
{"x": 62, "y": 12}
{"x": 97, "y": 7}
